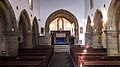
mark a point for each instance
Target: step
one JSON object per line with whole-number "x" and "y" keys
{"x": 61, "y": 48}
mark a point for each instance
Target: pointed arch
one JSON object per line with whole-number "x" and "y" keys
{"x": 88, "y": 26}
{"x": 88, "y": 34}
{"x": 35, "y": 32}
{"x": 112, "y": 28}
{"x": 8, "y": 29}
{"x": 24, "y": 25}
{"x": 97, "y": 29}
{"x": 98, "y": 21}
{"x": 61, "y": 13}
{"x": 24, "y": 16}
{"x": 64, "y": 14}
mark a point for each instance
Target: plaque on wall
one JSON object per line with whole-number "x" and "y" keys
{"x": 42, "y": 30}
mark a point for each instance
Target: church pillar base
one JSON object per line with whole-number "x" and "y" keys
{"x": 112, "y": 45}
{"x": 11, "y": 47}
{"x": 96, "y": 43}
{"x": 28, "y": 41}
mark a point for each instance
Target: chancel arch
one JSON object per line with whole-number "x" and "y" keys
{"x": 35, "y": 32}
{"x": 113, "y": 29}
{"x": 97, "y": 29}
{"x": 88, "y": 34}
{"x": 25, "y": 32}
{"x": 8, "y": 30}
{"x": 60, "y": 15}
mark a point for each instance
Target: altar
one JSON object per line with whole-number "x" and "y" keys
{"x": 60, "y": 37}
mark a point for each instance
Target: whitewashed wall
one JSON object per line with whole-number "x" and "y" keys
{"x": 76, "y": 7}
{"x": 23, "y": 4}
{"x": 98, "y": 4}
{"x": 43, "y": 8}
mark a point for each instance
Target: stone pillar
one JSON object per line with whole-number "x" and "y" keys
{"x": 96, "y": 43}
{"x": 2, "y": 44}
{"x": 88, "y": 38}
{"x": 111, "y": 42}
{"x": 76, "y": 39}
{"x": 119, "y": 45}
{"x": 48, "y": 38}
{"x": 11, "y": 44}
{"x": 28, "y": 40}
{"x": 35, "y": 40}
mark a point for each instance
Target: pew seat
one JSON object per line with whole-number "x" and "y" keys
{"x": 20, "y": 63}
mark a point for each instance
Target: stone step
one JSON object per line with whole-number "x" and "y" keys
{"x": 61, "y": 48}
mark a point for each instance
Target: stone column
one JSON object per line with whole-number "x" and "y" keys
{"x": 76, "y": 39}
{"x": 88, "y": 38}
{"x": 119, "y": 44}
{"x": 35, "y": 39}
{"x": 28, "y": 40}
{"x": 96, "y": 43}
{"x": 11, "y": 44}
{"x": 48, "y": 39}
{"x": 112, "y": 43}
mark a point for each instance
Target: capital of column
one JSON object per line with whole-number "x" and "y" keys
{"x": 9, "y": 34}
{"x": 110, "y": 32}
{"x": 97, "y": 32}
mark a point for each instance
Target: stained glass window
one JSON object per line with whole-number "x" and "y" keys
{"x": 30, "y": 4}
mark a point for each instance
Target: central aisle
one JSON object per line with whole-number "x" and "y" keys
{"x": 61, "y": 59}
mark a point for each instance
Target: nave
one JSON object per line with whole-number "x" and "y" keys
{"x": 30, "y": 30}
{"x": 61, "y": 59}
{"x": 39, "y": 56}
{"x": 44, "y": 56}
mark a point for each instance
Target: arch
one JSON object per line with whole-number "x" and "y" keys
{"x": 113, "y": 15}
{"x": 64, "y": 14}
{"x": 58, "y": 28}
{"x": 8, "y": 29}
{"x": 88, "y": 26}
{"x": 88, "y": 34}
{"x": 97, "y": 29}
{"x": 98, "y": 21}
{"x": 35, "y": 32}
{"x": 25, "y": 37}
{"x": 113, "y": 27}
{"x": 25, "y": 16}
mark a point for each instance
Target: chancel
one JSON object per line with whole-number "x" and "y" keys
{"x": 59, "y": 33}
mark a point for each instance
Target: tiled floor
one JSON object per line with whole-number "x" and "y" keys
{"x": 61, "y": 59}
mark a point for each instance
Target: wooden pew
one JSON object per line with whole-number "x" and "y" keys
{"x": 46, "y": 51}
{"x": 78, "y": 51}
{"x": 96, "y": 61}
{"x": 88, "y": 54}
{"x": 41, "y": 59}
{"x": 34, "y": 57}
{"x": 101, "y": 64}
{"x": 20, "y": 63}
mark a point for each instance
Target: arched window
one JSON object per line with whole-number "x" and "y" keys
{"x": 60, "y": 24}
{"x": 30, "y": 2}
{"x": 91, "y": 4}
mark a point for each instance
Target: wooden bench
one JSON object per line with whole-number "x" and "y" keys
{"x": 96, "y": 61}
{"x": 38, "y": 51}
{"x": 79, "y": 51}
{"x": 20, "y": 63}
{"x": 101, "y": 64}
{"x": 29, "y": 57}
{"x": 42, "y": 59}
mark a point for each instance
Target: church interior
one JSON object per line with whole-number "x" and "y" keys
{"x": 59, "y": 33}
